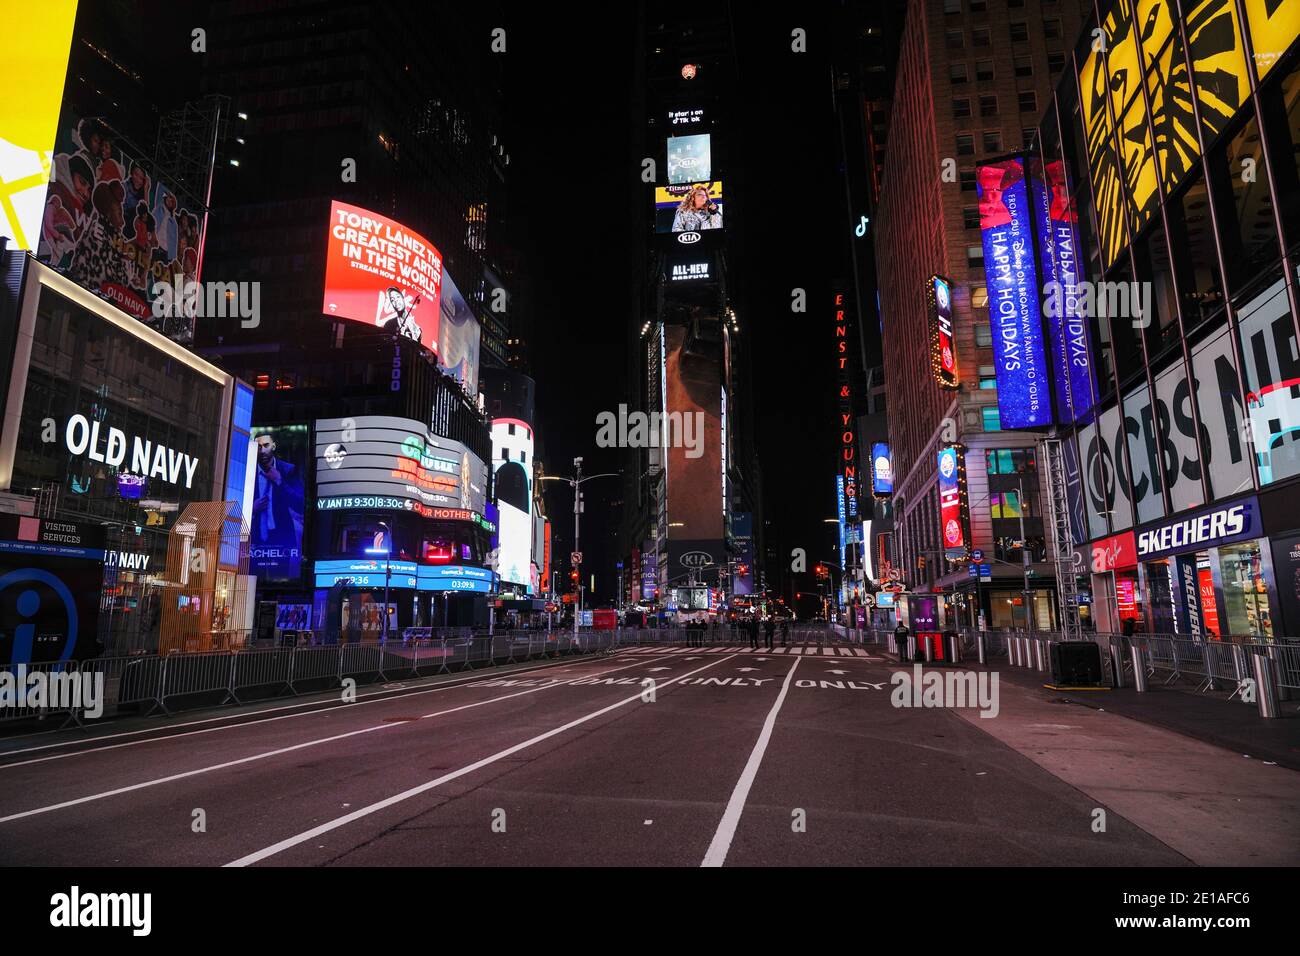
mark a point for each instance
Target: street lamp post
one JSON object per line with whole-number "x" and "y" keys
{"x": 388, "y": 573}
{"x": 575, "y": 482}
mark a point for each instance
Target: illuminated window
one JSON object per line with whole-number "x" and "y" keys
{"x": 983, "y": 335}
{"x": 991, "y": 419}
{"x": 975, "y": 257}
{"x": 988, "y": 378}
{"x": 979, "y": 297}
{"x": 1005, "y": 505}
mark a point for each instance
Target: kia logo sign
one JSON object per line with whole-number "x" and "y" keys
{"x": 686, "y": 238}
{"x": 697, "y": 559}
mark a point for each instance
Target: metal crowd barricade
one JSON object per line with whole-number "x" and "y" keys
{"x": 270, "y": 667}
{"x": 189, "y": 675}
{"x": 56, "y": 678}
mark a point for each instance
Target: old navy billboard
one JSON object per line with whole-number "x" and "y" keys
{"x": 1058, "y": 248}
{"x": 1024, "y": 392}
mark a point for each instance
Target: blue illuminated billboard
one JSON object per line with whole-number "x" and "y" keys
{"x": 1024, "y": 390}
{"x": 1058, "y": 250}
{"x": 366, "y": 573}
{"x": 882, "y": 469}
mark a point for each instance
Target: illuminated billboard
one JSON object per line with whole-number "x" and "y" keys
{"x": 381, "y": 273}
{"x": 952, "y": 521}
{"x": 512, "y": 459}
{"x": 275, "y": 535}
{"x": 943, "y": 346}
{"x": 882, "y": 470}
{"x": 112, "y": 225}
{"x": 376, "y": 461}
{"x": 1058, "y": 250}
{"x": 34, "y": 48}
{"x": 689, "y": 159}
{"x": 693, "y": 207}
{"x": 458, "y": 338}
{"x": 1024, "y": 395}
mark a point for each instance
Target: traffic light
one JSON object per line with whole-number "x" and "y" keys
{"x": 573, "y": 576}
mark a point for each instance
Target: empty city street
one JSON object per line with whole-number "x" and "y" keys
{"x": 731, "y": 756}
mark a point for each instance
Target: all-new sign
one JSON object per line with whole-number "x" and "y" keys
{"x": 381, "y": 273}
{"x": 1024, "y": 391}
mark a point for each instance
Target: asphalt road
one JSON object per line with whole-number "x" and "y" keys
{"x": 731, "y": 757}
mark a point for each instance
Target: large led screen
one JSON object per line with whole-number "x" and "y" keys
{"x": 34, "y": 48}
{"x": 951, "y": 518}
{"x": 513, "y": 557}
{"x": 374, "y": 461}
{"x": 381, "y": 273}
{"x": 1024, "y": 399}
{"x": 689, "y": 159}
{"x": 275, "y": 538}
{"x": 458, "y": 338}
{"x": 1058, "y": 245}
{"x": 692, "y": 207}
{"x": 114, "y": 226}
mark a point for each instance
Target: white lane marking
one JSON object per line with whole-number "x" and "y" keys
{"x": 322, "y": 707}
{"x": 717, "y": 853}
{"x": 396, "y": 798}
{"x": 290, "y": 749}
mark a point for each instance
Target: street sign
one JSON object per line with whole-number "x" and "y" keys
{"x": 895, "y": 574}
{"x": 575, "y": 557}
{"x": 977, "y": 555}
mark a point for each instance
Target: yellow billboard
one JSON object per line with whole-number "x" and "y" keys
{"x": 34, "y": 48}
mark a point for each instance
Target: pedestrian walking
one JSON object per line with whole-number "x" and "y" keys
{"x": 769, "y": 631}
{"x": 753, "y": 632}
{"x": 785, "y": 632}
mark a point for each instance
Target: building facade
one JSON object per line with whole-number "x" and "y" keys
{"x": 973, "y": 76}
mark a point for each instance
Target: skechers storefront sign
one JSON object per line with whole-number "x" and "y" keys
{"x": 1211, "y": 527}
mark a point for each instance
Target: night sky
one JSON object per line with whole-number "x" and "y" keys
{"x": 576, "y": 280}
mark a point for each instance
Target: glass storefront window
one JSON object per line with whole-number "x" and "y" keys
{"x": 1160, "y": 598}
{"x": 1191, "y": 239}
{"x": 1245, "y": 594}
{"x": 1244, "y": 205}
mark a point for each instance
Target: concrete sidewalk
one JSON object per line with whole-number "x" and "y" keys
{"x": 1163, "y": 761}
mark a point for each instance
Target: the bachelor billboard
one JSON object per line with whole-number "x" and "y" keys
{"x": 1024, "y": 392}
{"x": 381, "y": 273}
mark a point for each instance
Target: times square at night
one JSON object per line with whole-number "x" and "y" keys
{"x": 863, "y": 434}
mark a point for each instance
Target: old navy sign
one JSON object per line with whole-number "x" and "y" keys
{"x": 1024, "y": 391}
{"x": 1209, "y": 527}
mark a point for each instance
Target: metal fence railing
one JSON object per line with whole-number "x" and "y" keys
{"x": 148, "y": 683}
{"x": 1267, "y": 673}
